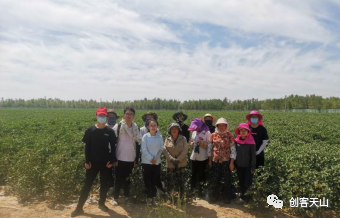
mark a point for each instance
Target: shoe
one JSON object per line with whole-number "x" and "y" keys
{"x": 114, "y": 202}
{"x": 110, "y": 191}
{"x": 127, "y": 200}
{"x": 154, "y": 202}
{"x": 76, "y": 212}
{"x": 148, "y": 201}
{"x": 227, "y": 201}
{"x": 103, "y": 207}
{"x": 240, "y": 201}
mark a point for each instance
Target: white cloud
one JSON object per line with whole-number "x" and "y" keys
{"x": 73, "y": 50}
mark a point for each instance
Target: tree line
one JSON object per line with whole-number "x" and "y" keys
{"x": 285, "y": 103}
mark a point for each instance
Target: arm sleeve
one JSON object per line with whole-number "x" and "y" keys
{"x": 210, "y": 145}
{"x": 166, "y": 152}
{"x": 160, "y": 149}
{"x": 233, "y": 151}
{"x": 263, "y": 145}
{"x": 183, "y": 153}
{"x": 113, "y": 143}
{"x": 145, "y": 151}
{"x": 253, "y": 157}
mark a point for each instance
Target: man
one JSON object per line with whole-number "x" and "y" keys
{"x": 98, "y": 157}
{"x": 111, "y": 122}
{"x": 127, "y": 153}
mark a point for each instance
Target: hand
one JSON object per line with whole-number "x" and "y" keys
{"x": 257, "y": 153}
{"x": 231, "y": 167}
{"x": 115, "y": 164}
{"x": 153, "y": 161}
{"x": 210, "y": 163}
{"x": 109, "y": 165}
{"x": 87, "y": 166}
{"x": 191, "y": 143}
{"x": 175, "y": 162}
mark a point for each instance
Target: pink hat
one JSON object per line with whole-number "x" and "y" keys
{"x": 254, "y": 112}
{"x": 242, "y": 126}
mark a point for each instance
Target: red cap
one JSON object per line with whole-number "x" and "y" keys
{"x": 102, "y": 110}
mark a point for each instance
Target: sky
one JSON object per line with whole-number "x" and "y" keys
{"x": 172, "y": 49}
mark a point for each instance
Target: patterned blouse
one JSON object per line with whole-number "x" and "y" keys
{"x": 222, "y": 147}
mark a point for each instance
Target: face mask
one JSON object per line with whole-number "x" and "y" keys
{"x": 101, "y": 119}
{"x": 111, "y": 120}
{"x": 254, "y": 120}
{"x": 208, "y": 122}
{"x": 179, "y": 121}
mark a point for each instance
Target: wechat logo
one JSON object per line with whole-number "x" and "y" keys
{"x": 274, "y": 201}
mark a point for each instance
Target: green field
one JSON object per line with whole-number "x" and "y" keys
{"x": 42, "y": 155}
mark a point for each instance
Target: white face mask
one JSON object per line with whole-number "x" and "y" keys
{"x": 101, "y": 119}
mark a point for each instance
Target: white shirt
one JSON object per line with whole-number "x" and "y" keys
{"x": 204, "y": 137}
{"x": 125, "y": 150}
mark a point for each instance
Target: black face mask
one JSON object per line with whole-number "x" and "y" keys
{"x": 208, "y": 122}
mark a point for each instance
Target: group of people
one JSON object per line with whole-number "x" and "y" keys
{"x": 117, "y": 148}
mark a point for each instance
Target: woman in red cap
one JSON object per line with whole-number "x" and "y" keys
{"x": 259, "y": 133}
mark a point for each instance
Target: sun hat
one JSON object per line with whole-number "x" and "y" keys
{"x": 249, "y": 139}
{"x": 174, "y": 125}
{"x": 242, "y": 126}
{"x": 208, "y": 114}
{"x": 149, "y": 113}
{"x": 179, "y": 113}
{"x": 101, "y": 110}
{"x": 198, "y": 125}
{"x": 222, "y": 121}
{"x": 112, "y": 111}
{"x": 254, "y": 112}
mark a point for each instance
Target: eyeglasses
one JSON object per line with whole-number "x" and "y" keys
{"x": 153, "y": 126}
{"x": 129, "y": 114}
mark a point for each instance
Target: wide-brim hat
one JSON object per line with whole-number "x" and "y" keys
{"x": 179, "y": 113}
{"x": 112, "y": 111}
{"x": 149, "y": 113}
{"x": 242, "y": 126}
{"x": 254, "y": 112}
{"x": 214, "y": 119}
{"x": 174, "y": 125}
{"x": 222, "y": 121}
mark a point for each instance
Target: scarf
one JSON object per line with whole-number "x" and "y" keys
{"x": 249, "y": 139}
{"x": 124, "y": 130}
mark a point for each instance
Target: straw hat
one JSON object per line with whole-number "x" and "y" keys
{"x": 208, "y": 114}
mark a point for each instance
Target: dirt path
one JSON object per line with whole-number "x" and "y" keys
{"x": 9, "y": 207}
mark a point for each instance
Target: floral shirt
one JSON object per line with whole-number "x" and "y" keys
{"x": 222, "y": 147}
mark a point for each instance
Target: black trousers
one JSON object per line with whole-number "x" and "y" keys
{"x": 220, "y": 180}
{"x": 151, "y": 175}
{"x": 198, "y": 174}
{"x": 260, "y": 160}
{"x": 245, "y": 179}
{"x": 122, "y": 171}
{"x": 91, "y": 175}
{"x": 175, "y": 179}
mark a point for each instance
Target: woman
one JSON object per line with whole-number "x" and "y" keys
{"x": 221, "y": 161}
{"x": 175, "y": 151}
{"x": 199, "y": 156}
{"x": 146, "y": 117}
{"x": 246, "y": 158}
{"x": 180, "y": 117}
{"x": 152, "y": 147}
{"x": 260, "y": 135}
{"x": 209, "y": 120}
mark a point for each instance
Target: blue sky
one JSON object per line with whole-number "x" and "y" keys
{"x": 127, "y": 50}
